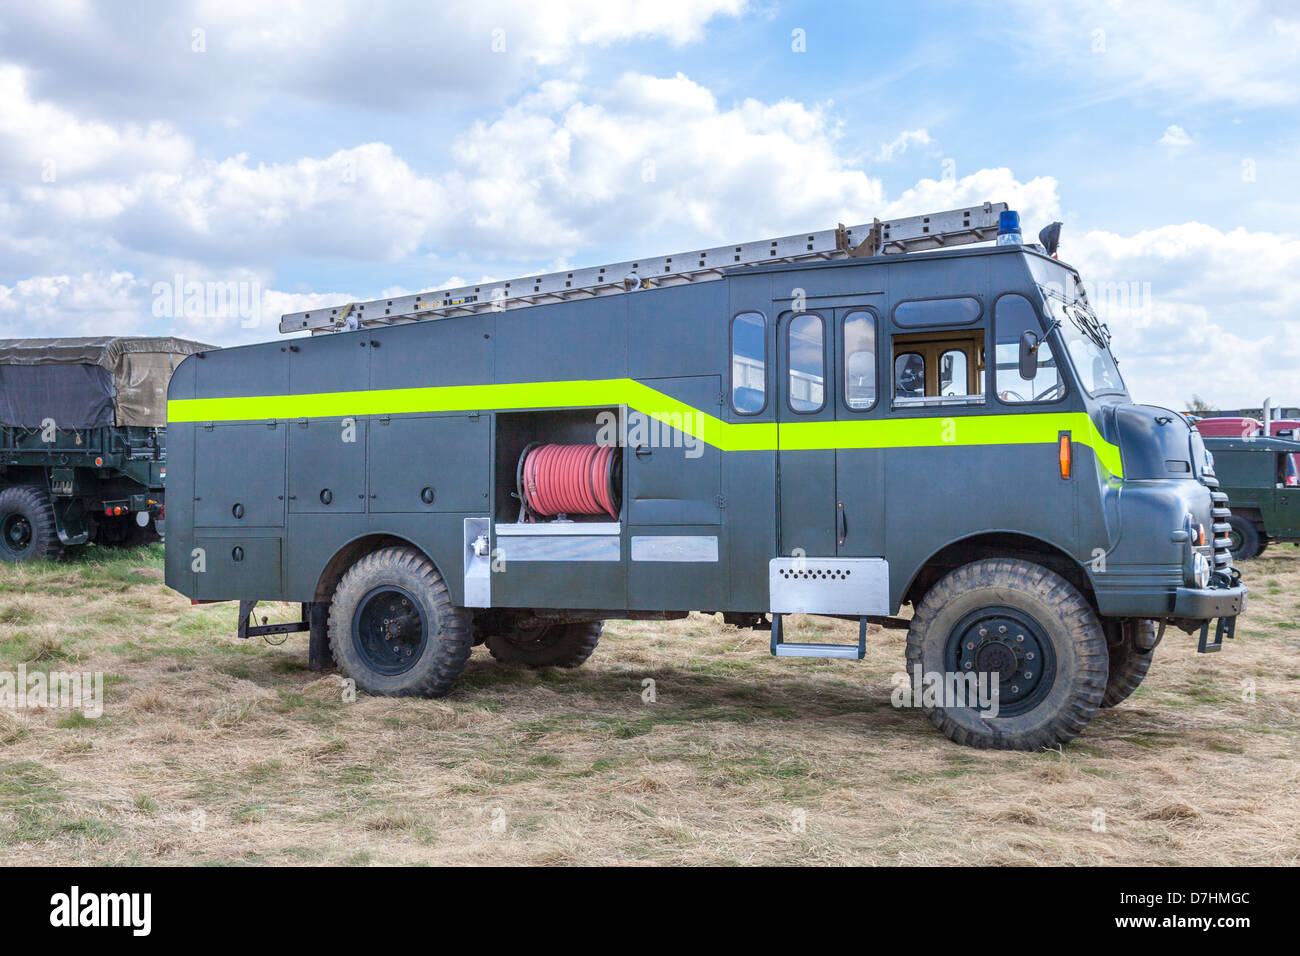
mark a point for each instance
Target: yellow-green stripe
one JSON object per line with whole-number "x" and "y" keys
{"x": 1012, "y": 429}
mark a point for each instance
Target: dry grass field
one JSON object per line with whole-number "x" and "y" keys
{"x": 210, "y": 751}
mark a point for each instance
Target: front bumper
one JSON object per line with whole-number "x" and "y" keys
{"x": 1202, "y": 604}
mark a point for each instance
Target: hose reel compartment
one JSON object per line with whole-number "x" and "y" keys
{"x": 551, "y": 469}
{"x": 563, "y": 480}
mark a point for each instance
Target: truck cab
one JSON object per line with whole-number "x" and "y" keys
{"x": 857, "y": 431}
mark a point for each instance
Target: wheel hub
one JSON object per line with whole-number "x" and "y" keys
{"x": 994, "y": 657}
{"x": 1009, "y": 644}
{"x": 17, "y": 532}
{"x": 389, "y": 630}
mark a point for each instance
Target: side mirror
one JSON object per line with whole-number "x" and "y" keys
{"x": 1050, "y": 237}
{"x": 1028, "y": 355}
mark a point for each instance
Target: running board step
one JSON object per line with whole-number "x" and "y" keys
{"x": 848, "y": 652}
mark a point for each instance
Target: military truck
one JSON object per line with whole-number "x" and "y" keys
{"x": 847, "y": 423}
{"x": 82, "y": 446}
{"x": 1260, "y": 478}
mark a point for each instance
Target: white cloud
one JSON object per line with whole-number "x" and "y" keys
{"x": 1244, "y": 52}
{"x": 898, "y": 145}
{"x": 387, "y": 57}
{"x": 562, "y": 169}
{"x": 41, "y": 142}
{"x": 1197, "y": 320}
{"x": 1176, "y": 138}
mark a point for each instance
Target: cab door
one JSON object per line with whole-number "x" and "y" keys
{"x": 1287, "y": 496}
{"x": 807, "y": 505}
{"x": 859, "y": 468}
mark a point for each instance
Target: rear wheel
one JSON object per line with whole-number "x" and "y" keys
{"x": 1023, "y": 629}
{"x": 393, "y": 628}
{"x": 27, "y": 528}
{"x": 1243, "y": 537}
{"x": 560, "y": 645}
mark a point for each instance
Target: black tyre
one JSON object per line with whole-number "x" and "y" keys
{"x": 561, "y": 645}
{"x": 1130, "y": 659}
{"x": 393, "y": 628}
{"x": 27, "y": 528}
{"x": 1243, "y": 537}
{"x": 1029, "y": 627}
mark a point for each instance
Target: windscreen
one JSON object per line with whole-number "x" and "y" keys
{"x": 1087, "y": 340}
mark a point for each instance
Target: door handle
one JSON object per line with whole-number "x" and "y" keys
{"x": 841, "y": 521}
{"x": 643, "y": 451}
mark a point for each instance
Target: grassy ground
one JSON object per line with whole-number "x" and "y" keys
{"x": 212, "y": 751}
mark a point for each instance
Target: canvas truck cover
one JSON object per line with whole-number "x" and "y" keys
{"x": 89, "y": 382}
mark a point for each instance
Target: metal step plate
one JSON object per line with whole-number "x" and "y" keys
{"x": 854, "y": 586}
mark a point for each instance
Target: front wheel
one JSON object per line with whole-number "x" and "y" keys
{"x": 1016, "y": 653}
{"x": 393, "y": 628}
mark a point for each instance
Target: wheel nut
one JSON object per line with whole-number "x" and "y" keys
{"x": 1002, "y": 628}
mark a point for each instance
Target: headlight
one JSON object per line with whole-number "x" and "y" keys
{"x": 1201, "y": 570}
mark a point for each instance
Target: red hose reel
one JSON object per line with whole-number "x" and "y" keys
{"x": 570, "y": 479}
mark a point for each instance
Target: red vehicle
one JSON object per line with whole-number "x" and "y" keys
{"x": 1230, "y": 427}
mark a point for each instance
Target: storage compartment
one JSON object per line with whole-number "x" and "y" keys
{"x": 429, "y": 464}
{"x": 327, "y": 465}
{"x": 520, "y": 432}
{"x": 239, "y": 475}
{"x": 242, "y": 565}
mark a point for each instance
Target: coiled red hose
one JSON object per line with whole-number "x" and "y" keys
{"x": 570, "y": 480}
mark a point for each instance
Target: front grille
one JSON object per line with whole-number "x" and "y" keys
{"x": 1222, "y": 543}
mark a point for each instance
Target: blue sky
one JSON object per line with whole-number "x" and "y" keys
{"x": 326, "y": 151}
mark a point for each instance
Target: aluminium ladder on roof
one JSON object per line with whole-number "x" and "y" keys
{"x": 916, "y": 233}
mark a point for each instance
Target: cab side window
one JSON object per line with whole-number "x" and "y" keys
{"x": 860, "y": 360}
{"x": 806, "y": 347}
{"x": 748, "y": 363}
{"x": 1013, "y": 315}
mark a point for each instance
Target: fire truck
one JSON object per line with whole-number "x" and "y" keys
{"x": 916, "y": 423}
